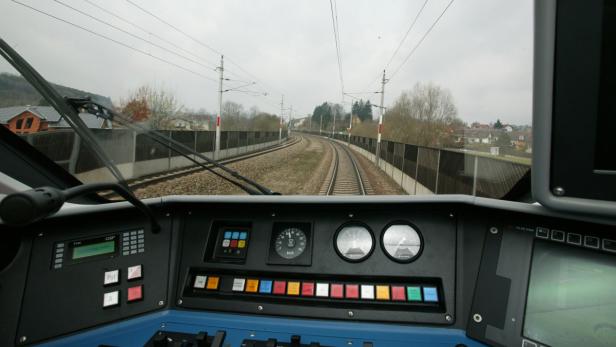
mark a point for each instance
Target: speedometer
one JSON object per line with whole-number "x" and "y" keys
{"x": 290, "y": 243}
{"x": 354, "y": 242}
{"x": 402, "y": 242}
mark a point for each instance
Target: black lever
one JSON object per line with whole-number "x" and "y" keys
{"x": 29, "y": 206}
{"x": 219, "y": 338}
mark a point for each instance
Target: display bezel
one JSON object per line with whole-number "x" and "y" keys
{"x": 359, "y": 224}
{"x": 304, "y": 259}
{"x": 68, "y": 256}
{"x": 421, "y": 240}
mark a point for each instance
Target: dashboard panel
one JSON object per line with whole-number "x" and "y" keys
{"x": 456, "y": 268}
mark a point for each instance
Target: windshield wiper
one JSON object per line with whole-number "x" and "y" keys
{"x": 101, "y": 111}
{"x": 56, "y": 101}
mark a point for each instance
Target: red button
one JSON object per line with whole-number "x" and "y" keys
{"x": 280, "y": 287}
{"x": 397, "y": 293}
{"x": 337, "y": 291}
{"x": 352, "y": 291}
{"x": 135, "y": 293}
{"x": 307, "y": 289}
{"x": 233, "y": 243}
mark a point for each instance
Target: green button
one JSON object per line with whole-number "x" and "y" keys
{"x": 413, "y": 293}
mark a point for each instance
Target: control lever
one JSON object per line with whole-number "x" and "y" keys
{"x": 201, "y": 339}
{"x": 32, "y": 205}
{"x": 219, "y": 338}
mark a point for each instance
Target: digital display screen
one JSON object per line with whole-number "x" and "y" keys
{"x": 606, "y": 126}
{"x": 93, "y": 249}
{"x": 571, "y": 297}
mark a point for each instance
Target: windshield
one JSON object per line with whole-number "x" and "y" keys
{"x": 304, "y": 97}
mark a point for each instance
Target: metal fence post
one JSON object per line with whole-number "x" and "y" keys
{"x": 475, "y": 177}
{"x": 438, "y": 166}
{"x": 416, "y": 171}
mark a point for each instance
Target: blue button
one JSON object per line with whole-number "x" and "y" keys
{"x": 265, "y": 287}
{"x": 243, "y": 235}
{"x": 227, "y": 234}
{"x": 430, "y": 294}
{"x": 236, "y": 235}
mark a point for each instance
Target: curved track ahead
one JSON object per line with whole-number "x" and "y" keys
{"x": 345, "y": 176}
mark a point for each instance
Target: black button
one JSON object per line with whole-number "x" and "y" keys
{"x": 558, "y": 235}
{"x": 609, "y": 245}
{"x": 543, "y": 233}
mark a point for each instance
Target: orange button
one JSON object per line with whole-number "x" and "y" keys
{"x": 212, "y": 282}
{"x": 382, "y": 292}
{"x": 293, "y": 288}
{"x": 252, "y": 286}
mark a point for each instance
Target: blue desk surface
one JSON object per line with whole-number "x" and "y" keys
{"x": 136, "y": 331}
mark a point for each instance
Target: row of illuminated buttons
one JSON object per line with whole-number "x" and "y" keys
{"x": 324, "y": 290}
{"x": 233, "y": 243}
{"x": 236, "y": 235}
{"x": 576, "y": 239}
{"x": 112, "y": 277}
{"x": 133, "y": 294}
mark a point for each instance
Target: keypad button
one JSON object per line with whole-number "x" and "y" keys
{"x": 351, "y": 291}
{"x": 430, "y": 294}
{"x": 134, "y": 272}
{"x": 382, "y": 292}
{"x": 266, "y": 287}
{"x": 293, "y": 288}
{"x": 111, "y": 277}
{"x": 134, "y": 293}
{"x": 252, "y": 285}
{"x": 397, "y": 293}
{"x": 238, "y": 284}
{"x": 308, "y": 289}
{"x": 336, "y": 291}
{"x": 280, "y": 287}
{"x": 200, "y": 281}
{"x": 413, "y": 293}
{"x": 111, "y": 299}
{"x": 213, "y": 282}
{"x": 367, "y": 292}
{"x": 323, "y": 290}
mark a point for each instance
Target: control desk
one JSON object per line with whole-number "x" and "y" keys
{"x": 305, "y": 273}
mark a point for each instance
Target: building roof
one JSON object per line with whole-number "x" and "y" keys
{"x": 49, "y": 114}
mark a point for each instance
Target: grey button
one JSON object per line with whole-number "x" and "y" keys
{"x": 57, "y": 266}
{"x": 133, "y": 237}
{"x": 140, "y": 242}
{"x": 58, "y": 261}
{"x": 141, "y": 250}
{"x": 132, "y": 233}
{"x": 133, "y": 247}
{"x": 134, "y": 251}
{"x": 140, "y": 231}
{"x": 59, "y": 255}
{"x": 125, "y": 252}
{"x": 125, "y": 234}
{"x": 133, "y": 242}
{"x": 126, "y": 238}
{"x": 60, "y": 245}
{"x": 140, "y": 237}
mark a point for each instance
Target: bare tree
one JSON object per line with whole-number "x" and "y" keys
{"x": 423, "y": 116}
{"x": 162, "y": 105}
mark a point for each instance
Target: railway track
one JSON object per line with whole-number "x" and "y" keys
{"x": 345, "y": 176}
{"x": 153, "y": 179}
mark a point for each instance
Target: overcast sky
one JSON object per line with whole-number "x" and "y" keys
{"x": 480, "y": 50}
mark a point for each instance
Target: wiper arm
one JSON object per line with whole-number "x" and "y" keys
{"x": 101, "y": 111}
{"x": 57, "y": 102}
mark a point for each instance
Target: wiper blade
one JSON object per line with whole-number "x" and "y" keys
{"x": 101, "y": 111}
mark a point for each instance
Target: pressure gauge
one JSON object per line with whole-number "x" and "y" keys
{"x": 402, "y": 242}
{"x": 290, "y": 243}
{"x": 354, "y": 242}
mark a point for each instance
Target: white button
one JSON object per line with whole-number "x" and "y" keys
{"x": 111, "y": 299}
{"x": 238, "y": 284}
{"x": 367, "y": 292}
{"x": 226, "y": 242}
{"x": 200, "y": 281}
{"x": 134, "y": 272}
{"x": 112, "y": 277}
{"x": 323, "y": 289}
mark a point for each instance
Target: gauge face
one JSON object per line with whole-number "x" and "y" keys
{"x": 402, "y": 242}
{"x": 290, "y": 243}
{"x": 354, "y": 242}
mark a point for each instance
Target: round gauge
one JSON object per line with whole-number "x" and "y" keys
{"x": 290, "y": 243}
{"x": 354, "y": 242}
{"x": 402, "y": 242}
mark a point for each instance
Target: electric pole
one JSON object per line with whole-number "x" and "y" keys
{"x": 380, "y": 129}
{"x": 334, "y": 122}
{"x": 350, "y": 124}
{"x": 321, "y": 124}
{"x": 220, "y": 91}
{"x": 280, "y": 125}
{"x": 290, "y": 120}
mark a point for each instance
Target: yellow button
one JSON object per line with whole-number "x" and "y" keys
{"x": 293, "y": 288}
{"x": 252, "y": 285}
{"x": 212, "y": 282}
{"x": 241, "y": 244}
{"x": 382, "y": 292}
